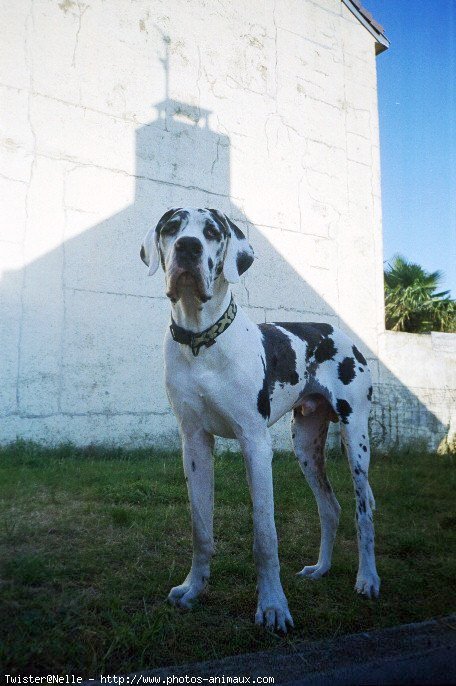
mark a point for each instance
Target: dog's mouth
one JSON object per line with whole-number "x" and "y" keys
{"x": 180, "y": 281}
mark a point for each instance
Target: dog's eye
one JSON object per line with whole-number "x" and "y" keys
{"x": 211, "y": 232}
{"x": 170, "y": 228}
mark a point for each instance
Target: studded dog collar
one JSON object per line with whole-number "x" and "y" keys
{"x": 209, "y": 335}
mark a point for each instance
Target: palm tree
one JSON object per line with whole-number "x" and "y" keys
{"x": 412, "y": 302}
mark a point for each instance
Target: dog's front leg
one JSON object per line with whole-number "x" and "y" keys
{"x": 197, "y": 449}
{"x": 272, "y": 608}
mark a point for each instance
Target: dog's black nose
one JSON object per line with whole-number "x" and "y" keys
{"x": 187, "y": 246}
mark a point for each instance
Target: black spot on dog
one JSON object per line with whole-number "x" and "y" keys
{"x": 305, "y": 463}
{"x": 325, "y": 350}
{"x": 182, "y": 214}
{"x": 316, "y": 335}
{"x": 326, "y": 484}
{"x": 319, "y": 347}
{"x": 216, "y": 216}
{"x": 210, "y": 264}
{"x": 165, "y": 218}
{"x": 359, "y": 356}
{"x": 280, "y": 356}
{"x": 243, "y": 261}
{"x": 293, "y": 435}
{"x": 235, "y": 229}
{"x": 263, "y": 402}
{"x": 362, "y": 505}
{"x": 279, "y": 365}
{"x": 162, "y": 259}
{"x": 365, "y": 448}
{"x": 343, "y": 409}
{"x": 357, "y": 472}
{"x": 363, "y": 436}
{"x": 361, "y": 369}
{"x": 369, "y": 393}
{"x": 346, "y": 370}
{"x": 193, "y": 466}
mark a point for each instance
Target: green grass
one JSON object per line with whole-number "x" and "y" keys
{"x": 92, "y": 540}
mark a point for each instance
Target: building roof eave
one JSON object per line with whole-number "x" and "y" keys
{"x": 367, "y": 20}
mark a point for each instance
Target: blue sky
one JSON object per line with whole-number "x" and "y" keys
{"x": 417, "y": 108}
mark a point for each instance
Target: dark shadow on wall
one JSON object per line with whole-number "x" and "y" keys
{"x": 90, "y": 326}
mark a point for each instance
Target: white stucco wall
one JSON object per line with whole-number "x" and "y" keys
{"x": 267, "y": 111}
{"x": 416, "y": 396}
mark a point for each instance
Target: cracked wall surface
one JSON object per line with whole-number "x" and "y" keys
{"x": 114, "y": 112}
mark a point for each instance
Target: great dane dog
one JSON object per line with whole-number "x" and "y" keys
{"x": 226, "y": 376}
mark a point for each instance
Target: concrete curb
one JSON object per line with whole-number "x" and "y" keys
{"x": 419, "y": 653}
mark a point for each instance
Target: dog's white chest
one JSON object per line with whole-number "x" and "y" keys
{"x": 218, "y": 394}
{"x": 214, "y": 421}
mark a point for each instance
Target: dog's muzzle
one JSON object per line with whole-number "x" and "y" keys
{"x": 185, "y": 269}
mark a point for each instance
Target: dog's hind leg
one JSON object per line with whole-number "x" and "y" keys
{"x": 356, "y": 442}
{"x": 309, "y": 428}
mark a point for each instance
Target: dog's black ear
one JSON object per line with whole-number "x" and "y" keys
{"x": 239, "y": 253}
{"x": 150, "y": 251}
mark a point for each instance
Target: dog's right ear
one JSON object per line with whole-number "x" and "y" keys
{"x": 150, "y": 250}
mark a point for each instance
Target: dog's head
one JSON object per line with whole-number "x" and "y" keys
{"x": 196, "y": 248}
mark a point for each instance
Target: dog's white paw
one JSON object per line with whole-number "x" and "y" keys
{"x": 368, "y": 584}
{"x": 315, "y": 571}
{"x": 185, "y": 595}
{"x": 272, "y": 611}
